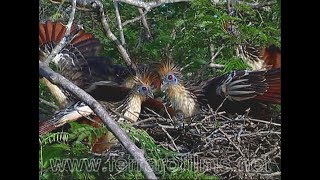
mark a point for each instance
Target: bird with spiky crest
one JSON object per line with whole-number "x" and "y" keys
{"x": 128, "y": 108}
{"x": 182, "y": 96}
{"x": 237, "y": 90}
{"x": 125, "y": 111}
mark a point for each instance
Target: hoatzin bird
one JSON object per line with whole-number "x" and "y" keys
{"x": 257, "y": 58}
{"x": 78, "y": 61}
{"x": 127, "y": 110}
{"x": 239, "y": 89}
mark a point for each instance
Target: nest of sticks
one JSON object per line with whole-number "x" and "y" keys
{"x": 231, "y": 147}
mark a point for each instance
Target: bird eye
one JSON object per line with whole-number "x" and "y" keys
{"x": 170, "y": 77}
{"x": 144, "y": 88}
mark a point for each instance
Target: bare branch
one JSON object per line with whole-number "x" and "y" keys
{"x": 48, "y": 103}
{"x": 116, "y": 7}
{"x": 221, "y": 104}
{"x": 56, "y": 92}
{"x": 170, "y": 137}
{"x": 137, "y": 153}
{"x": 63, "y": 41}
{"x": 111, "y": 36}
{"x": 214, "y": 54}
{"x": 231, "y": 142}
{"x": 145, "y": 23}
{"x": 151, "y": 4}
{"x": 135, "y": 19}
{"x": 258, "y": 5}
{"x": 85, "y": 5}
{"x": 213, "y": 65}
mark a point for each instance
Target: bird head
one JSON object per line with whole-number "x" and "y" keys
{"x": 169, "y": 74}
{"x": 144, "y": 91}
{"x": 143, "y": 84}
{"x": 168, "y": 81}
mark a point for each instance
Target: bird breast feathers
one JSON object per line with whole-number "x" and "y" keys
{"x": 182, "y": 100}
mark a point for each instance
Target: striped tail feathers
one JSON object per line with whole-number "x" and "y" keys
{"x": 53, "y": 32}
{"x": 243, "y": 85}
{"x": 273, "y": 91}
{"x": 71, "y": 113}
{"x": 72, "y": 59}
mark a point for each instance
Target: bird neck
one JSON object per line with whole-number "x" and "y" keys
{"x": 183, "y": 100}
{"x": 132, "y": 107}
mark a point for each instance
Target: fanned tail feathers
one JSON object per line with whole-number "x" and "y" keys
{"x": 53, "y": 32}
{"x": 262, "y": 85}
{"x": 73, "y": 57}
{"x": 273, "y": 92}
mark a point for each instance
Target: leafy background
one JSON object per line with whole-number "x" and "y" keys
{"x": 183, "y": 30}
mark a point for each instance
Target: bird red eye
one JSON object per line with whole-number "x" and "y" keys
{"x": 170, "y": 77}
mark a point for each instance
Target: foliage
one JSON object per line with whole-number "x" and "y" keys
{"x": 76, "y": 143}
{"x": 183, "y": 30}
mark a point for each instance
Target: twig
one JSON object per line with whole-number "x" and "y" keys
{"x": 137, "y": 153}
{"x": 262, "y": 121}
{"x": 48, "y": 103}
{"x": 143, "y": 121}
{"x": 261, "y": 5}
{"x": 261, "y": 133}
{"x": 170, "y": 137}
{"x": 63, "y": 41}
{"x": 214, "y": 55}
{"x": 270, "y": 152}
{"x": 84, "y": 5}
{"x": 115, "y": 3}
{"x": 151, "y": 4}
{"x": 145, "y": 23}
{"x": 278, "y": 173}
{"x": 231, "y": 142}
{"x": 221, "y": 104}
{"x": 135, "y": 19}
{"x": 213, "y": 65}
{"x": 187, "y": 65}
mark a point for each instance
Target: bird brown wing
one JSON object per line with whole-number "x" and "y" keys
{"x": 108, "y": 91}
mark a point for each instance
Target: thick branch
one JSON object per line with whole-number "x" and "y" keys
{"x": 151, "y": 4}
{"x": 111, "y": 36}
{"x": 115, "y": 3}
{"x": 137, "y": 153}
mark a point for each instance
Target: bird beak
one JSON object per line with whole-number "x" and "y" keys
{"x": 164, "y": 86}
{"x": 150, "y": 94}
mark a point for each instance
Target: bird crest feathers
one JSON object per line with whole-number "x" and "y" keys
{"x": 167, "y": 66}
{"x": 145, "y": 77}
